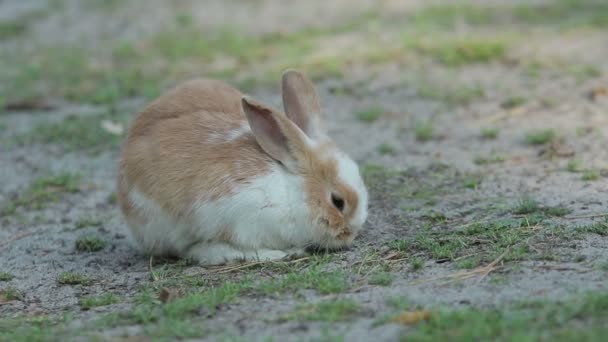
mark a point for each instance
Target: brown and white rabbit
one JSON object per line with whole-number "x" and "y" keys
{"x": 209, "y": 174}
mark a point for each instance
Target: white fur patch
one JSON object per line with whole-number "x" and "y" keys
{"x": 269, "y": 213}
{"x": 238, "y": 132}
{"x": 231, "y": 135}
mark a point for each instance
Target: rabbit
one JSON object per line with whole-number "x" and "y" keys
{"x": 209, "y": 174}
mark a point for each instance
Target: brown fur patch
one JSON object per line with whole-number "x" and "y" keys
{"x": 178, "y": 152}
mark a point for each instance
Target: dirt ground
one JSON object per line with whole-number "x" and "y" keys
{"x": 480, "y": 127}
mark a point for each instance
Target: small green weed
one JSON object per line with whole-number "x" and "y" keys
{"x": 381, "y": 278}
{"x": 493, "y": 158}
{"x": 539, "y": 137}
{"x": 513, "y": 102}
{"x": 463, "y": 51}
{"x": 386, "y": 148}
{"x": 90, "y": 302}
{"x": 5, "y": 276}
{"x": 424, "y": 130}
{"x": 43, "y": 191}
{"x": 369, "y": 115}
{"x": 72, "y": 278}
{"x": 600, "y": 228}
{"x": 590, "y": 175}
{"x": 89, "y": 244}
{"x": 88, "y": 222}
{"x": 573, "y": 165}
{"x": 489, "y": 133}
{"x": 526, "y": 205}
{"x": 10, "y": 293}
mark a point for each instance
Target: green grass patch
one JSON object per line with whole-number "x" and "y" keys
{"x": 590, "y": 175}
{"x": 369, "y": 115}
{"x": 513, "y": 102}
{"x": 468, "y": 263}
{"x": 472, "y": 181}
{"x": 88, "y": 222}
{"x": 539, "y": 137}
{"x": 462, "y": 51}
{"x": 424, "y": 130}
{"x": 5, "y": 276}
{"x": 77, "y": 133}
{"x": 89, "y": 302}
{"x": 73, "y": 278}
{"x": 11, "y": 29}
{"x": 416, "y": 263}
{"x": 89, "y": 244}
{"x": 573, "y": 165}
{"x": 448, "y": 92}
{"x": 578, "y": 318}
{"x": 381, "y": 278}
{"x": 10, "y": 293}
{"x": 43, "y": 191}
{"x": 492, "y": 158}
{"x": 386, "y": 149}
{"x": 489, "y": 133}
{"x": 525, "y": 206}
{"x": 600, "y": 228}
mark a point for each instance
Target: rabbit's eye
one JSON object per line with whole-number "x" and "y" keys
{"x": 338, "y": 202}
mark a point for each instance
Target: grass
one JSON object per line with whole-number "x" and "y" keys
{"x": 447, "y": 91}
{"x": 423, "y": 130}
{"x": 577, "y": 318}
{"x": 329, "y": 311}
{"x": 573, "y": 165}
{"x": 468, "y": 263}
{"x": 497, "y": 235}
{"x": 72, "y": 278}
{"x": 590, "y": 175}
{"x": 472, "y": 181}
{"x": 89, "y": 244}
{"x": 489, "y": 133}
{"x": 462, "y": 51}
{"x": 492, "y": 158}
{"x": 11, "y": 29}
{"x": 526, "y": 205}
{"x": 600, "y": 228}
{"x": 5, "y": 276}
{"x": 88, "y": 222}
{"x": 381, "y": 278}
{"x": 369, "y": 115}
{"x": 43, "y": 191}
{"x": 10, "y": 293}
{"x": 386, "y": 149}
{"x": 89, "y": 302}
{"x": 539, "y": 137}
{"x": 76, "y": 133}
{"x": 416, "y": 263}
{"x": 513, "y": 102}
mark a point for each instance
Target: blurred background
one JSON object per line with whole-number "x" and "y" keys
{"x": 489, "y": 115}
{"x": 410, "y": 74}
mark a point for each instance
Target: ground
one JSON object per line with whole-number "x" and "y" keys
{"x": 480, "y": 127}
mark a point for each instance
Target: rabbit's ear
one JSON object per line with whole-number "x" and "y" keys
{"x": 274, "y": 132}
{"x": 301, "y": 103}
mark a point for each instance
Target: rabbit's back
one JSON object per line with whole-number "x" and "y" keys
{"x": 192, "y": 145}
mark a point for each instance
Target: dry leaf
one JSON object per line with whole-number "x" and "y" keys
{"x": 412, "y": 317}
{"x": 168, "y": 295}
{"x": 112, "y": 127}
{"x": 597, "y": 92}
